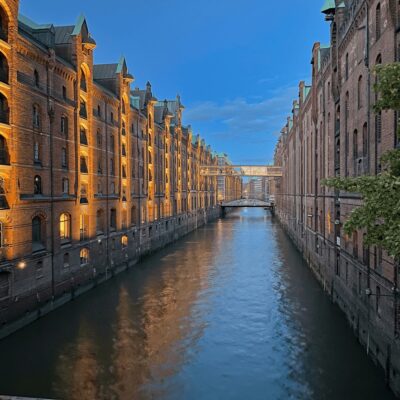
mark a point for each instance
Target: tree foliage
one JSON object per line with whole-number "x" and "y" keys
{"x": 379, "y": 214}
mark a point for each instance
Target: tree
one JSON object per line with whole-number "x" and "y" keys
{"x": 379, "y": 214}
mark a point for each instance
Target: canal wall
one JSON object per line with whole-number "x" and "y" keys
{"x": 109, "y": 256}
{"x": 373, "y": 330}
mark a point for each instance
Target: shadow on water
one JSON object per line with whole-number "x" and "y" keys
{"x": 229, "y": 312}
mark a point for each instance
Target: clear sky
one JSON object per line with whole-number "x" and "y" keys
{"x": 235, "y": 63}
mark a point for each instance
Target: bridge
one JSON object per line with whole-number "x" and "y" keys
{"x": 269, "y": 171}
{"x": 248, "y": 203}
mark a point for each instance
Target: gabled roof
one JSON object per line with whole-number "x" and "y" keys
{"x": 31, "y": 24}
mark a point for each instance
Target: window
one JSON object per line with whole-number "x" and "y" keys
{"x": 65, "y": 186}
{"x": 3, "y": 197}
{"x": 84, "y": 167}
{"x": 360, "y": 92}
{"x": 112, "y": 117}
{"x": 378, "y": 17}
{"x": 378, "y": 301}
{"x": 124, "y": 241}
{"x": 99, "y": 167}
{"x": 83, "y": 226}
{"x": 65, "y": 227}
{"x": 378, "y": 126}
{"x": 99, "y": 111}
{"x": 84, "y": 193}
{"x": 347, "y": 67}
{"x": 84, "y": 256}
{"x": 36, "y": 78}
{"x": 64, "y": 125}
{"x": 133, "y": 215}
{"x": 113, "y": 218}
{"x": 3, "y": 68}
{"x": 37, "y": 185}
{"x": 124, "y": 171}
{"x": 355, "y": 144}
{"x": 123, "y": 150}
{"x": 365, "y": 140}
{"x": 36, "y": 116}
{"x": 37, "y": 237}
{"x": 99, "y": 139}
{"x": 355, "y": 244}
{"x": 64, "y": 92}
{"x": 83, "y": 81}
{"x": 83, "y": 109}
{"x": 123, "y": 129}
{"x": 99, "y": 221}
{"x": 36, "y": 152}
{"x": 3, "y": 25}
{"x": 64, "y": 158}
{"x": 66, "y": 260}
{"x": 150, "y": 176}
{"x": 112, "y": 172}
{"x": 83, "y": 136}
{"x": 150, "y": 158}
{"x": 123, "y": 107}
{"x": 112, "y": 143}
{"x": 124, "y": 219}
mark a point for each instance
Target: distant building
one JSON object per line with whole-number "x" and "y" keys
{"x": 229, "y": 187}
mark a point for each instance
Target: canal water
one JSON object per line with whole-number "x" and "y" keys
{"x": 229, "y": 312}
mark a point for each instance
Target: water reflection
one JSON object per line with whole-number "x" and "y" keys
{"x": 229, "y": 312}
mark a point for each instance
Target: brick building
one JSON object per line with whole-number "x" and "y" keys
{"x": 333, "y": 131}
{"x": 93, "y": 173}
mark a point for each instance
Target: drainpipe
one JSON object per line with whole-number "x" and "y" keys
{"x": 107, "y": 191}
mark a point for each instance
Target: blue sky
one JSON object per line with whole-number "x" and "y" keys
{"x": 235, "y": 63}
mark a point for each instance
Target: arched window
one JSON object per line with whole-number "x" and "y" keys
{"x": 3, "y": 25}
{"x": 83, "y": 81}
{"x": 65, "y": 186}
{"x": 37, "y": 234}
{"x": 124, "y": 241}
{"x": 4, "y": 156}
{"x": 84, "y": 256}
{"x": 36, "y": 116}
{"x": 83, "y": 109}
{"x": 99, "y": 221}
{"x": 65, "y": 227}
{"x": 378, "y": 21}
{"x": 4, "y": 110}
{"x": 37, "y": 185}
{"x": 64, "y": 158}
{"x": 36, "y": 78}
{"x": 3, "y": 68}
{"x": 360, "y": 92}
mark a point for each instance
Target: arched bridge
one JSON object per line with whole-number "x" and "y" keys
{"x": 248, "y": 203}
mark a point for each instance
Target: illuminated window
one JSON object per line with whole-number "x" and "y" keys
{"x": 84, "y": 256}
{"x": 124, "y": 241}
{"x": 65, "y": 227}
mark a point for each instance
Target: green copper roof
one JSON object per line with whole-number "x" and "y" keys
{"x": 328, "y": 6}
{"x": 342, "y": 5}
{"x": 32, "y": 24}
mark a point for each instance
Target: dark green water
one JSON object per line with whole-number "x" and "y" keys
{"x": 229, "y": 312}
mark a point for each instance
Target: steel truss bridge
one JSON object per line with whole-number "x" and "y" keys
{"x": 269, "y": 171}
